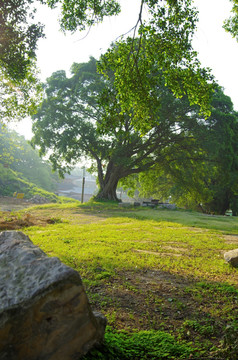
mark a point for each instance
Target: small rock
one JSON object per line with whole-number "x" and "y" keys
{"x": 232, "y": 257}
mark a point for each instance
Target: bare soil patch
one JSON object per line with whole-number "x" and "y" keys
{"x": 156, "y": 253}
{"x": 159, "y": 300}
{"x": 13, "y": 222}
{"x": 9, "y": 220}
{"x": 151, "y": 299}
{"x": 231, "y": 239}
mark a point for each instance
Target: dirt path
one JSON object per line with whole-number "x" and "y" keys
{"x": 8, "y": 203}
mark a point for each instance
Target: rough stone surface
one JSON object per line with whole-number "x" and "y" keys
{"x": 44, "y": 311}
{"x": 37, "y": 199}
{"x": 232, "y": 257}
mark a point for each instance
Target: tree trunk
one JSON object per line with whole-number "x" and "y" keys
{"x": 234, "y": 205}
{"x": 108, "y": 192}
{"x": 109, "y": 184}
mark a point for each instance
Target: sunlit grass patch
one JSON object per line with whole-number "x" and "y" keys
{"x": 126, "y": 243}
{"x": 226, "y": 224}
{"x": 70, "y": 204}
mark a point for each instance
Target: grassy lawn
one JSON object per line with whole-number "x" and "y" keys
{"x": 159, "y": 276}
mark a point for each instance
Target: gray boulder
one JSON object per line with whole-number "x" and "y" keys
{"x": 44, "y": 310}
{"x": 232, "y": 257}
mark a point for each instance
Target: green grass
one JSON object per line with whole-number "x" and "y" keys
{"x": 158, "y": 275}
{"x": 226, "y": 224}
{"x": 121, "y": 243}
{"x": 152, "y": 345}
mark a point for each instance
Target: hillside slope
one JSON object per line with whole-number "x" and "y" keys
{"x": 11, "y": 182}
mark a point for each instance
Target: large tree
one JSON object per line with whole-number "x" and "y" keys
{"x": 76, "y": 119}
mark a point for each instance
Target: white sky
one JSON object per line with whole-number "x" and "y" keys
{"x": 216, "y": 48}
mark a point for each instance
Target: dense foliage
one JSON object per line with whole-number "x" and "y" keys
{"x": 209, "y": 184}
{"x": 164, "y": 44}
{"x": 19, "y": 87}
{"x": 18, "y": 38}
{"x": 231, "y": 24}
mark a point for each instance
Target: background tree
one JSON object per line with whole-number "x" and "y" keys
{"x": 209, "y": 184}
{"x": 71, "y": 123}
{"x": 222, "y": 148}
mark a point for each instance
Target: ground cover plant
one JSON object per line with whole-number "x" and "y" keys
{"x": 159, "y": 277}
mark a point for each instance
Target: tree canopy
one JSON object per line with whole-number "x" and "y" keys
{"x": 18, "y": 38}
{"x": 164, "y": 44}
{"x": 20, "y": 32}
{"x": 20, "y": 88}
{"x": 79, "y": 14}
{"x": 170, "y": 29}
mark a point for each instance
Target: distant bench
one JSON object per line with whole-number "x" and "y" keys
{"x": 152, "y": 203}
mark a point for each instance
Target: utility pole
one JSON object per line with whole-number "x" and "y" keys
{"x": 83, "y": 182}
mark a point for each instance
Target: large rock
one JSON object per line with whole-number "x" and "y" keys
{"x": 44, "y": 311}
{"x": 232, "y": 257}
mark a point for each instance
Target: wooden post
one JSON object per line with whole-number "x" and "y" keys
{"x": 83, "y": 182}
